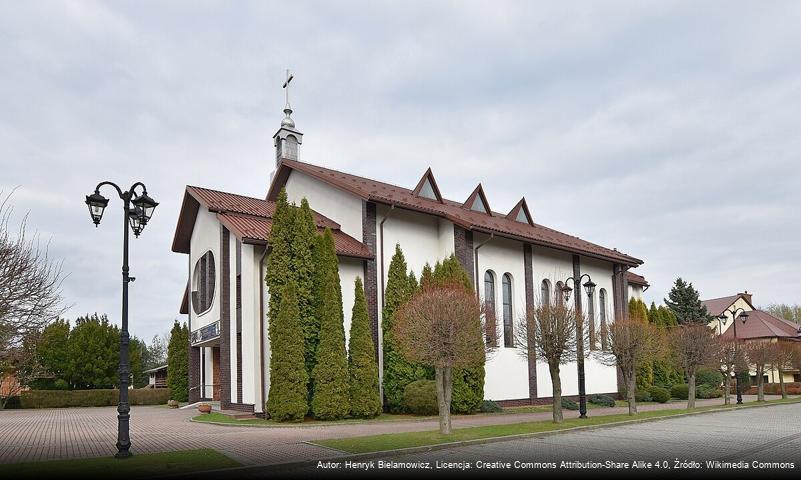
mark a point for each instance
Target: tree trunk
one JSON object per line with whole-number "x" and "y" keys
{"x": 444, "y": 381}
{"x": 556, "y": 381}
{"x": 760, "y": 371}
{"x": 727, "y": 389}
{"x": 631, "y": 388}
{"x": 781, "y": 382}
{"x": 691, "y": 390}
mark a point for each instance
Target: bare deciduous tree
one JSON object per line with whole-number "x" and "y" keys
{"x": 732, "y": 360}
{"x": 631, "y": 342}
{"x": 548, "y": 332}
{"x": 693, "y": 346}
{"x": 30, "y": 296}
{"x": 782, "y": 359}
{"x": 441, "y": 326}
{"x": 759, "y": 354}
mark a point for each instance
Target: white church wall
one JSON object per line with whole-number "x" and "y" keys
{"x": 349, "y": 269}
{"x": 635, "y": 291}
{"x": 208, "y": 371}
{"x": 265, "y": 387}
{"x": 250, "y": 326}
{"x": 339, "y": 206}
{"x": 506, "y": 371}
{"x": 599, "y": 378}
{"x": 206, "y": 237}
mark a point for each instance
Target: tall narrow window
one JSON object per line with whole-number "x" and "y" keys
{"x": 602, "y": 312}
{"x": 591, "y": 318}
{"x": 489, "y": 302}
{"x": 545, "y": 292}
{"x": 508, "y": 340}
{"x": 559, "y": 292}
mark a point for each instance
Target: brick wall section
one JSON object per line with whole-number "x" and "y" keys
{"x": 194, "y": 374}
{"x": 532, "y": 355}
{"x": 371, "y": 269}
{"x": 463, "y": 249}
{"x": 225, "y": 320}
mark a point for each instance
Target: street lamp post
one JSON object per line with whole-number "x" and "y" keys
{"x": 137, "y": 216}
{"x": 589, "y": 286}
{"x": 722, "y": 321}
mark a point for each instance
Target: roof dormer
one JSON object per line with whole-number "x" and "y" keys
{"x": 427, "y": 187}
{"x": 520, "y": 213}
{"x": 477, "y": 201}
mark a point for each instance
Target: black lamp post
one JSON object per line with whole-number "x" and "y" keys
{"x": 722, "y": 321}
{"x": 137, "y": 216}
{"x": 589, "y": 287}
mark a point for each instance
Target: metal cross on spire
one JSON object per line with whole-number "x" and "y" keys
{"x": 289, "y": 78}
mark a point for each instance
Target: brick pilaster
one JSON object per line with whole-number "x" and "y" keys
{"x": 463, "y": 249}
{"x": 532, "y": 354}
{"x": 225, "y": 320}
{"x": 371, "y": 269}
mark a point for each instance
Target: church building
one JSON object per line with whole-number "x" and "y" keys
{"x": 512, "y": 260}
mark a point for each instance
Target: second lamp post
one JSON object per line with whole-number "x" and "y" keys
{"x": 589, "y": 287}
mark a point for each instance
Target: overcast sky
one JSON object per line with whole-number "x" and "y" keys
{"x": 668, "y": 130}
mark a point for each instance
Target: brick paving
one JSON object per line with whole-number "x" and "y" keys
{"x": 49, "y": 434}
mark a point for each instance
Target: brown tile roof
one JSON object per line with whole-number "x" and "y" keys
{"x": 250, "y": 219}
{"x": 635, "y": 279}
{"x": 716, "y": 306}
{"x": 761, "y": 324}
{"x": 454, "y": 211}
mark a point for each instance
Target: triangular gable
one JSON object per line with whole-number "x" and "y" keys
{"x": 427, "y": 187}
{"x": 520, "y": 213}
{"x": 477, "y": 201}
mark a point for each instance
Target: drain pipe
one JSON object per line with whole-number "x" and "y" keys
{"x": 475, "y": 259}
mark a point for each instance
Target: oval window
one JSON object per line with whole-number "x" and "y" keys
{"x": 203, "y": 279}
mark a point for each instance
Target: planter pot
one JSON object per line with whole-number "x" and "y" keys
{"x": 172, "y": 403}
{"x": 204, "y": 408}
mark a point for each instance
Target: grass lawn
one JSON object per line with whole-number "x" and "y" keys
{"x": 215, "y": 417}
{"x": 392, "y": 441}
{"x": 137, "y": 466}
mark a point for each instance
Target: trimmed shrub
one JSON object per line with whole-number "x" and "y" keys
{"x": 706, "y": 391}
{"x": 642, "y": 396}
{"x": 91, "y": 398}
{"x": 602, "y": 400}
{"x": 659, "y": 394}
{"x": 61, "y": 384}
{"x": 569, "y": 404}
{"x": 708, "y": 376}
{"x": 680, "y": 391}
{"x": 420, "y": 397}
{"x": 489, "y": 406}
{"x": 12, "y": 402}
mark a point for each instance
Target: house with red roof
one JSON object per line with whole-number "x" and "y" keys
{"x": 736, "y": 318}
{"x": 513, "y": 261}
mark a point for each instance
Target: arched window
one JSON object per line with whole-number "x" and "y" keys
{"x": 545, "y": 292}
{"x": 203, "y": 278}
{"x": 508, "y": 340}
{"x": 591, "y": 320}
{"x": 602, "y": 311}
{"x": 489, "y": 302}
{"x": 559, "y": 292}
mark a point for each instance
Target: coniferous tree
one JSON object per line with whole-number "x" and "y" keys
{"x": 178, "y": 362}
{"x": 398, "y": 372}
{"x": 468, "y": 383}
{"x": 645, "y": 370}
{"x": 362, "y": 367}
{"x": 683, "y": 300}
{"x": 287, "y": 398}
{"x": 331, "y": 398}
{"x": 53, "y": 351}
{"x": 302, "y": 264}
{"x": 279, "y": 262}
{"x": 94, "y": 351}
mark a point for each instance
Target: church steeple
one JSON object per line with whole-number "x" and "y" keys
{"x": 287, "y": 138}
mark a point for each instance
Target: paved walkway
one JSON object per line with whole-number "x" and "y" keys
{"x": 47, "y": 434}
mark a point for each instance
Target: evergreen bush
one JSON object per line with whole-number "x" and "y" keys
{"x": 489, "y": 406}
{"x": 420, "y": 397}
{"x": 708, "y": 376}
{"x": 178, "y": 362}
{"x": 331, "y": 396}
{"x": 642, "y": 396}
{"x": 569, "y": 404}
{"x": 602, "y": 400}
{"x": 362, "y": 367}
{"x": 708, "y": 391}
{"x": 680, "y": 391}
{"x": 659, "y": 394}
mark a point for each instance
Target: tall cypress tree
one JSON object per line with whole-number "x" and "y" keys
{"x": 286, "y": 401}
{"x": 398, "y": 372}
{"x": 279, "y": 262}
{"x": 331, "y": 398}
{"x": 362, "y": 367}
{"x": 468, "y": 383}
{"x": 178, "y": 362}
{"x": 683, "y": 301}
{"x": 302, "y": 264}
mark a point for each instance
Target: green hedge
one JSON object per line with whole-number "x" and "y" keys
{"x": 420, "y": 397}
{"x": 91, "y": 398}
{"x": 659, "y": 394}
{"x": 680, "y": 391}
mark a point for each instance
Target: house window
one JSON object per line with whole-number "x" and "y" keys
{"x": 559, "y": 292}
{"x": 591, "y": 318}
{"x": 489, "y": 303}
{"x": 602, "y": 312}
{"x": 508, "y": 341}
{"x": 545, "y": 292}
{"x": 203, "y": 278}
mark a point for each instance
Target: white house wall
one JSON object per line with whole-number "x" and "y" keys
{"x": 599, "y": 378}
{"x": 208, "y": 370}
{"x": 339, "y": 206}
{"x": 205, "y": 237}
{"x": 506, "y": 370}
{"x": 635, "y": 291}
{"x": 250, "y": 326}
{"x": 739, "y": 303}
